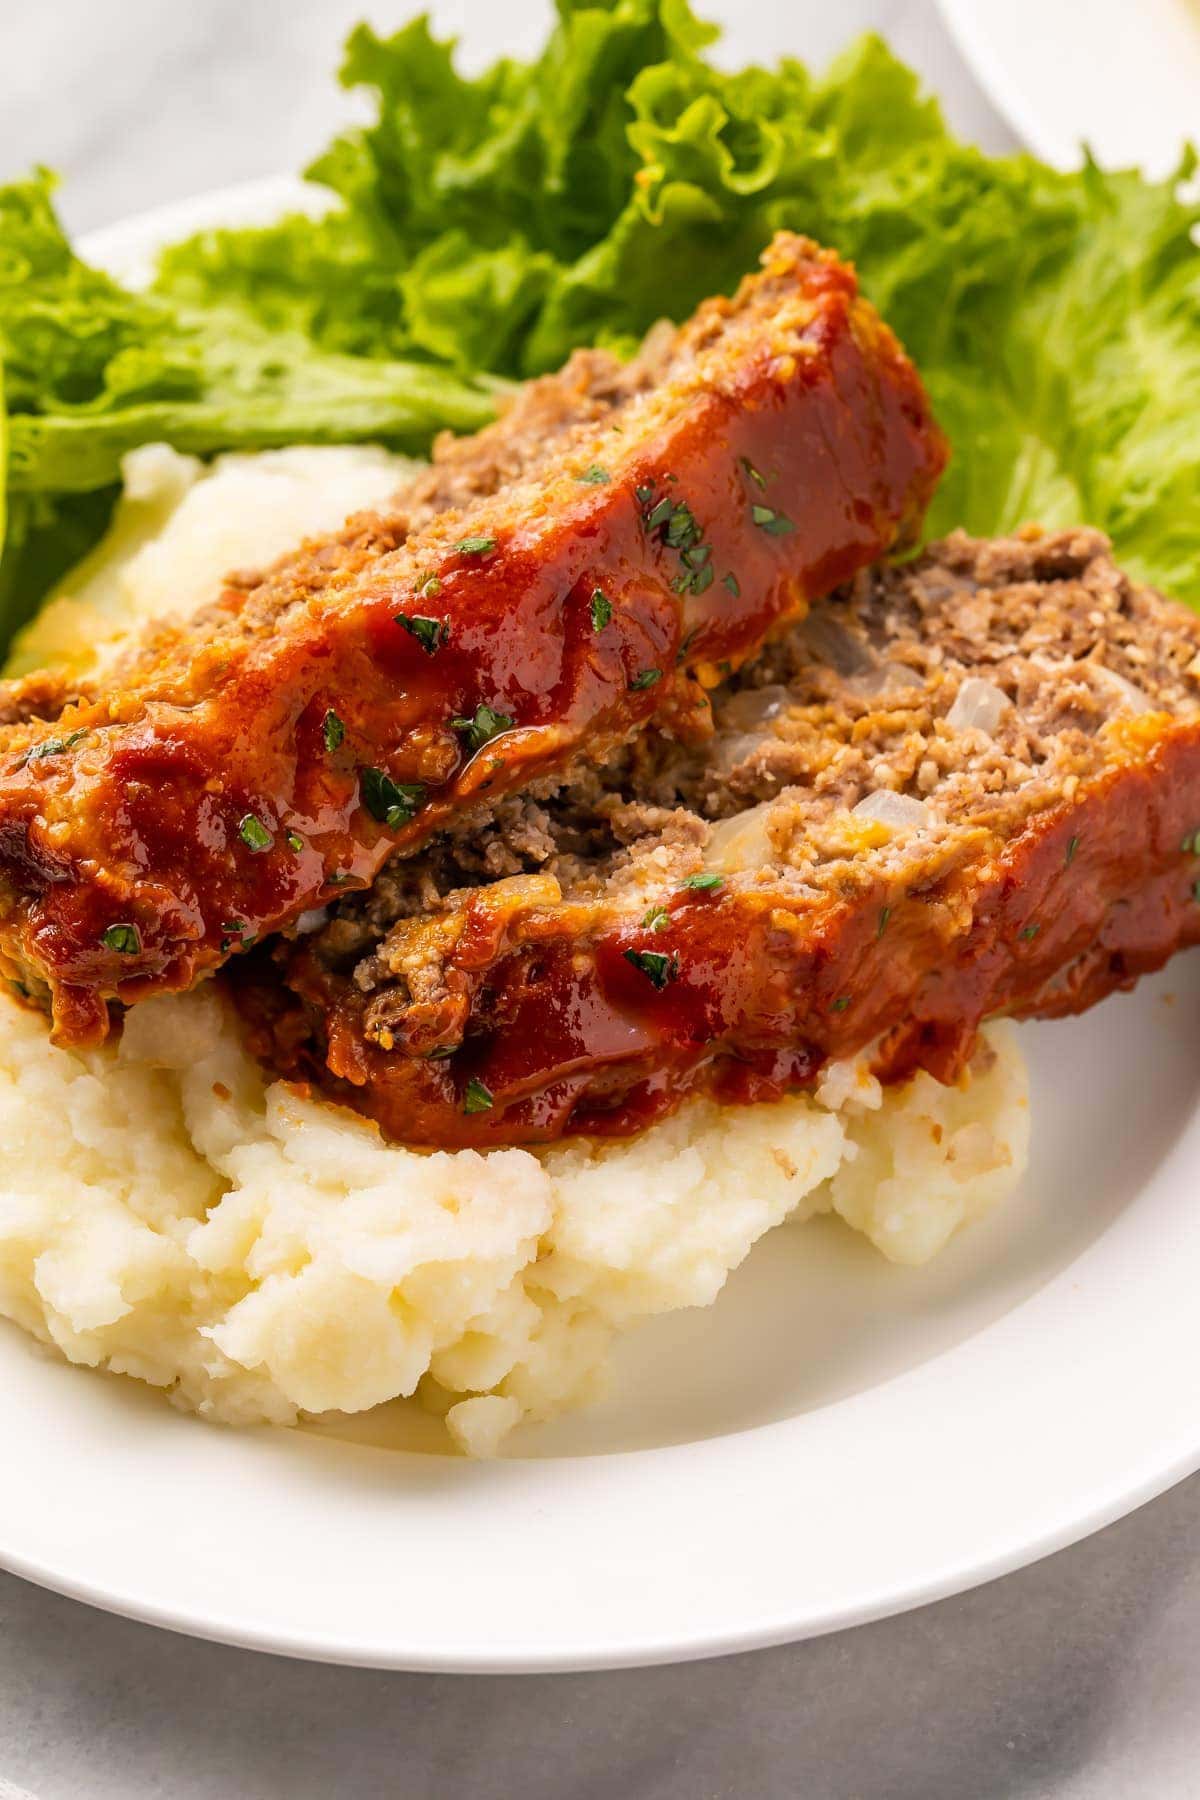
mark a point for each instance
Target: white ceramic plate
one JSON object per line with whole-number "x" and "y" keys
{"x": 1122, "y": 76}
{"x": 837, "y": 1439}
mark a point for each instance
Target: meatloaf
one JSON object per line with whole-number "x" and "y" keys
{"x": 544, "y": 593}
{"x": 961, "y": 787}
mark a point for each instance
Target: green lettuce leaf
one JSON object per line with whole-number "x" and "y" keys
{"x": 502, "y": 220}
{"x": 91, "y": 370}
{"x": 483, "y": 227}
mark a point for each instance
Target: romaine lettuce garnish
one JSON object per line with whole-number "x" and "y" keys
{"x": 487, "y": 226}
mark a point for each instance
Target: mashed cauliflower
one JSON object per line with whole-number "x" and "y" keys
{"x": 263, "y": 1256}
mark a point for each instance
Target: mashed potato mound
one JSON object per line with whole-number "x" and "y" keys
{"x": 261, "y": 1255}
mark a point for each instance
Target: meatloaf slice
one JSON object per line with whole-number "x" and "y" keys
{"x": 296, "y": 736}
{"x": 962, "y": 787}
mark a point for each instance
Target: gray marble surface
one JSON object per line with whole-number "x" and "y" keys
{"x": 1077, "y": 1678}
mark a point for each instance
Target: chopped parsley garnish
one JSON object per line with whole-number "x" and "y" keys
{"x": 687, "y": 643}
{"x": 1191, "y": 844}
{"x": 643, "y": 495}
{"x": 295, "y": 842}
{"x": 732, "y": 583}
{"x": 646, "y": 678}
{"x": 254, "y": 833}
{"x": 704, "y": 883}
{"x": 429, "y": 587}
{"x": 431, "y": 634}
{"x": 682, "y": 530}
{"x": 478, "y": 1097}
{"x": 1029, "y": 931}
{"x": 393, "y": 803}
{"x": 54, "y": 746}
{"x": 655, "y": 919}
{"x": 601, "y": 609}
{"x": 655, "y": 965}
{"x": 486, "y": 725}
{"x": 595, "y": 476}
{"x": 333, "y": 731}
{"x": 752, "y": 472}
{"x": 840, "y": 1005}
{"x": 475, "y": 546}
{"x": 1196, "y": 892}
{"x": 682, "y": 534}
{"x": 777, "y": 523}
{"x": 126, "y": 940}
{"x": 336, "y": 877}
{"x": 1072, "y": 847}
{"x": 885, "y": 913}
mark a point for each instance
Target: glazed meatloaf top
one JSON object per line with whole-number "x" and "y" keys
{"x": 544, "y": 593}
{"x": 964, "y": 786}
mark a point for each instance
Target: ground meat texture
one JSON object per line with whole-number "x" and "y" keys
{"x": 245, "y": 768}
{"x": 961, "y": 787}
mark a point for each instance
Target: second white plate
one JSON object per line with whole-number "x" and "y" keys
{"x": 1121, "y": 76}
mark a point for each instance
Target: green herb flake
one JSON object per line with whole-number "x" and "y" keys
{"x": 431, "y": 634}
{"x": 656, "y": 919}
{"x": 429, "y": 588}
{"x": 660, "y": 514}
{"x": 486, "y": 725}
{"x": 333, "y": 731}
{"x": 478, "y": 1097}
{"x": 54, "y": 746}
{"x": 840, "y": 1005}
{"x": 595, "y": 476}
{"x": 704, "y": 883}
{"x": 1072, "y": 847}
{"x": 655, "y": 965}
{"x": 645, "y": 679}
{"x": 733, "y": 584}
{"x": 885, "y": 913}
{"x": 393, "y": 803}
{"x": 126, "y": 940}
{"x": 776, "y": 523}
{"x": 254, "y": 833}
{"x": 643, "y": 495}
{"x": 1196, "y": 892}
{"x": 1191, "y": 844}
{"x": 295, "y": 842}
{"x": 752, "y": 472}
{"x": 601, "y": 609}
{"x": 682, "y": 530}
{"x": 1029, "y": 932}
{"x": 475, "y": 546}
